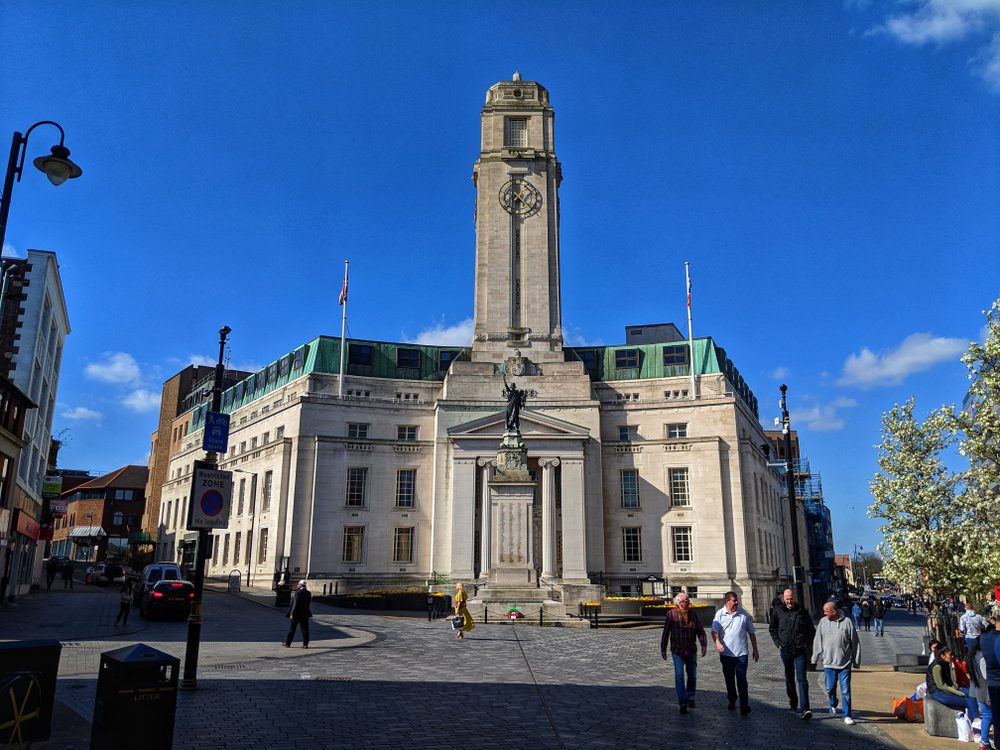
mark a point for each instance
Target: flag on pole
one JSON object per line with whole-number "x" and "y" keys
{"x": 689, "y": 291}
{"x": 343, "y": 291}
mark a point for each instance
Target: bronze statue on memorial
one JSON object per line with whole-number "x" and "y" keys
{"x": 516, "y": 398}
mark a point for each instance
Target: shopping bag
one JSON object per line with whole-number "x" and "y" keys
{"x": 457, "y": 622}
{"x": 964, "y": 727}
{"x": 908, "y": 709}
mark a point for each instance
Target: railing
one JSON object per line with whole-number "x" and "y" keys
{"x": 554, "y": 593}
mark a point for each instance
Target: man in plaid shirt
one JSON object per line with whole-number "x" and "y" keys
{"x": 682, "y": 631}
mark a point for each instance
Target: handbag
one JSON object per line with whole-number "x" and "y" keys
{"x": 964, "y": 727}
{"x": 457, "y": 622}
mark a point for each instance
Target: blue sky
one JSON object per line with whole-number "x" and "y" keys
{"x": 829, "y": 169}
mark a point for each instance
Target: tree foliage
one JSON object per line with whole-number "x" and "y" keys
{"x": 941, "y": 525}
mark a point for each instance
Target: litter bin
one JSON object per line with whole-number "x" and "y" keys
{"x": 283, "y": 595}
{"x": 136, "y": 699}
{"x": 28, "y": 672}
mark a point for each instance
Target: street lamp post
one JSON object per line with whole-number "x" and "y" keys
{"x": 189, "y": 681}
{"x": 797, "y": 570}
{"x": 857, "y": 567}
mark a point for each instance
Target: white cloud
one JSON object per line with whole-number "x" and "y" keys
{"x": 9, "y": 251}
{"x": 944, "y": 21}
{"x": 82, "y": 414}
{"x": 821, "y": 417}
{"x": 439, "y": 334}
{"x": 142, "y": 400}
{"x": 117, "y": 367}
{"x": 778, "y": 373}
{"x": 917, "y": 353}
{"x": 573, "y": 336}
{"x": 201, "y": 359}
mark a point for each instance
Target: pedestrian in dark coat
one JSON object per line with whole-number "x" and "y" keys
{"x": 792, "y": 632}
{"x": 299, "y": 614}
{"x": 866, "y": 614}
{"x": 124, "y": 603}
{"x": 67, "y": 574}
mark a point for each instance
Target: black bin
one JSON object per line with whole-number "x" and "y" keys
{"x": 28, "y": 671}
{"x": 136, "y": 699}
{"x": 283, "y": 595}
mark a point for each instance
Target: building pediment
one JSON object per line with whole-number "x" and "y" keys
{"x": 533, "y": 426}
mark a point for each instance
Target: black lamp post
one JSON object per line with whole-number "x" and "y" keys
{"x": 189, "y": 680}
{"x": 57, "y": 166}
{"x": 797, "y": 570}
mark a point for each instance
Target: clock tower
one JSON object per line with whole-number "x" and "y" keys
{"x": 517, "y": 180}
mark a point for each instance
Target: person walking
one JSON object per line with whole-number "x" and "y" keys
{"x": 979, "y": 690}
{"x": 67, "y": 574}
{"x": 51, "y": 568}
{"x": 682, "y": 631}
{"x": 462, "y": 610}
{"x": 879, "y": 612}
{"x": 856, "y": 615}
{"x": 732, "y": 629}
{"x": 971, "y": 624}
{"x": 124, "y": 602}
{"x": 989, "y": 646}
{"x": 299, "y": 613}
{"x": 792, "y": 631}
{"x": 837, "y": 647}
{"x": 866, "y": 613}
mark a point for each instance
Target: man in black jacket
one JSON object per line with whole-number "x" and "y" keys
{"x": 792, "y": 631}
{"x": 299, "y": 614}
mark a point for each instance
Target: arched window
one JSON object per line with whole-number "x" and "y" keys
{"x": 116, "y": 520}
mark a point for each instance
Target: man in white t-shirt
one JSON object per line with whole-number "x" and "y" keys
{"x": 734, "y": 634}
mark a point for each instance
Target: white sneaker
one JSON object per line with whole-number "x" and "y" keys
{"x": 833, "y": 710}
{"x": 849, "y": 721}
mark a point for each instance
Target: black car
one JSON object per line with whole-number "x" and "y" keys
{"x": 166, "y": 599}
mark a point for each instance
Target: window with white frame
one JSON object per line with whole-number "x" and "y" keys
{"x": 354, "y": 539}
{"x": 357, "y": 478}
{"x": 241, "y": 496}
{"x": 627, "y": 433}
{"x": 630, "y": 488}
{"x": 406, "y": 488}
{"x": 265, "y": 498}
{"x": 225, "y": 550}
{"x": 406, "y": 432}
{"x": 676, "y": 430}
{"x": 357, "y": 431}
{"x": 262, "y": 551}
{"x": 402, "y": 545}
{"x": 632, "y": 544}
{"x": 680, "y": 544}
{"x": 680, "y": 488}
{"x": 236, "y": 549}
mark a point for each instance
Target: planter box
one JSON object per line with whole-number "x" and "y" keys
{"x": 355, "y": 602}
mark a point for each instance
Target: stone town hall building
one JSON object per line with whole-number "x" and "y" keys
{"x": 637, "y": 476}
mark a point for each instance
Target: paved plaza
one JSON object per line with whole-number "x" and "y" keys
{"x": 379, "y": 681}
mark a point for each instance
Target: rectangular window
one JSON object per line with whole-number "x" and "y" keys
{"x": 236, "y": 549}
{"x": 406, "y": 432}
{"x": 445, "y": 358}
{"x": 123, "y": 494}
{"x": 240, "y": 497}
{"x": 359, "y": 354}
{"x": 632, "y": 544}
{"x": 626, "y": 358}
{"x": 266, "y": 439}
{"x": 265, "y": 498}
{"x": 406, "y": 488}
{"x": 356, "y": 480}
{"x": 262, "y": 551}
{"x": 225, "y": 550}
{"x": 215, "y": 551}
{"x": 680, "y": 544}
{"x": 249, "y": 547}
{"x": 678, "y": 430}
{"x": 516, "y": 135}
{"x": 357, "y": 431}
{"x": 692, "y": 592}
{"x": 402, "y": 545}
{"x": 630, "y": 488}
{"x": 279, "y": 433}
{"x": 354, "y": 538}
{"x": 680, "y": 488}
{"x": 675, "y": 355}
{"x": 409, "y": 358}
{"x": 627, "y": 433}
{"x": 589, "y": 358}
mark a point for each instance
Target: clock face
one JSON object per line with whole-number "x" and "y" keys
{"x": 520, "y": 197}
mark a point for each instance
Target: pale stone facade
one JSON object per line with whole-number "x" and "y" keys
{"x": 634, "y": 477}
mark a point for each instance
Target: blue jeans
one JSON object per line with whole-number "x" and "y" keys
{"x": 842, "y": 675}
{"x": 795, "y": 671}
{"x": 879, "y": 626}
{"x": 958, "y": 702}
{"x": 682, "y": 664}
{"x": 984, "y": 732}
{"x": 734, "y": 671}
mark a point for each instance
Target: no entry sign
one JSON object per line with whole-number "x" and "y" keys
{"x": 211, "y": 499}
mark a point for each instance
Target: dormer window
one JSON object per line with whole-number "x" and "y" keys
{"x": 516, "y": 135}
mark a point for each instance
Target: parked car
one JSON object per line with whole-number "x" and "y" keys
{"x": 107, "y": 573}
{"x": 167, "y": 598}
{"x": 159, "y": 571}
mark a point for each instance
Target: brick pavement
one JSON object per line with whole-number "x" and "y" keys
{"x": 407, "y": 682}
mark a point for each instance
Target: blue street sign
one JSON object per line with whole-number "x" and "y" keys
{"x": 216, "y": 438}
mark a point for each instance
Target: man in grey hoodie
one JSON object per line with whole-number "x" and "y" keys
{"x": 838, "y": 648}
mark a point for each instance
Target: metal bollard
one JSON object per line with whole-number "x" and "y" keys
{"x": 486, "y": 614}
{"x": 541, "y": 616}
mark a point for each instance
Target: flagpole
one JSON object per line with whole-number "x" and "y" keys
{"x": 687, "y": 275}
{"x": 343, "y": 334}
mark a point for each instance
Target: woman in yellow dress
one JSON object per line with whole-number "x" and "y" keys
{"x": 462, "y": 610}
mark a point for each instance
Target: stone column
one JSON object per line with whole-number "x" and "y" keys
{"x": 463, "y": 506}
{"x": 574, "y": 522}
{"x": 487, "y": 465}
{"x": 548, "y": 466}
